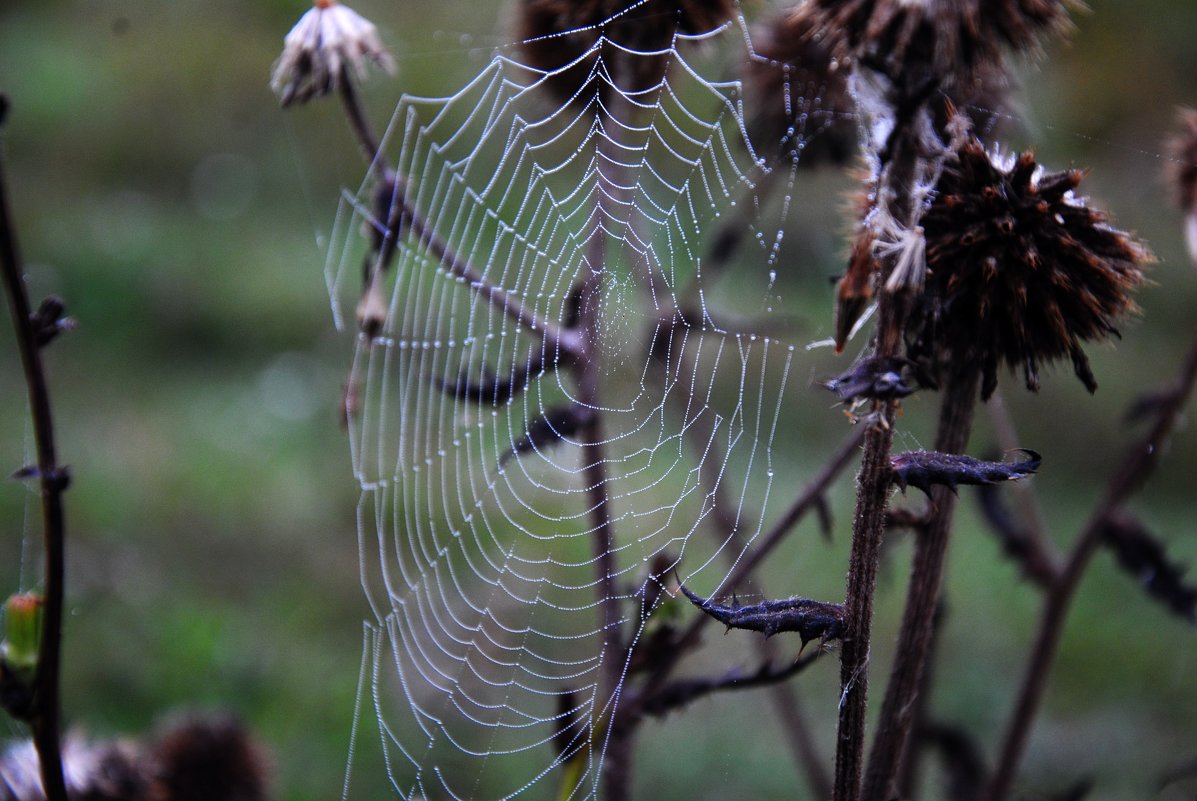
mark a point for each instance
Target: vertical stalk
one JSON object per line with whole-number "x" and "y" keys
{"x": 903, "y": 162}
{"x": 53, "y": 480}
{"x": 922, "y": 598}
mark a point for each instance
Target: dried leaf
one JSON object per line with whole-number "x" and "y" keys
{"x": 1143, "y": 556}
{"x": 924, "y": 469}
{"x": 961, "y": 756}
{"x": 811, "y": 619}
{"x": 878, "y": 378}
{"x": 553, "y": 426}
{"x": 1016, "y": 541}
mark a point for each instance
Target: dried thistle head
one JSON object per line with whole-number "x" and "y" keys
{"x": 199, "y": 759}
{"x": 1020, "y": 269}
{"x": 798, "y": 92}
{"x": 320, "y": 50}
{"x": 945, "y": 40}
{"x": 1182, "y": 173}
{"x": 557, "y": 33}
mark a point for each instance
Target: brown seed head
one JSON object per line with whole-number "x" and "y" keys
{"x": 797, "y": 93}
{"x": 1020, "y": 270}
{"x": 947, "y": 40}
{"x": 205, "y": 759}
{"x": 556, "y": 33}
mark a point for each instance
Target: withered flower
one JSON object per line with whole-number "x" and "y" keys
{"x": 797, "y": 91}
{"x": 948, "y": 40}
{"x": 1020, "y": 269}
{"x": 636, "y": 37}
{"x": 319, "y": 51}
{"x": 1182, "y": 150}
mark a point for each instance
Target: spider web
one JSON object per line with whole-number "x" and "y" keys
{"x": 505, "y": 554}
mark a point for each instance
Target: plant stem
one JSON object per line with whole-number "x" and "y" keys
{"x": 404, "y": 212}
{"x": 922, "y": 598}
{"x": 1135, "y": 468}
{"x": 53, "y": 481}
{"x": 867, "y": 529}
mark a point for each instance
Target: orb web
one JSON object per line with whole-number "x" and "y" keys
{"x": 555, "y": 417}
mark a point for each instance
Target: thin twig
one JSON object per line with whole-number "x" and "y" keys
{"x": 682, "y": 692}
{"x": 1134, "y": 470}
{"x": 404, "y": 212}
{"x": 53, "y": 480}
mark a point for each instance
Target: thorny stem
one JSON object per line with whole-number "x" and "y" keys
{"x": 53, "y": 480}
{"x": 903, "y": 162}
{"x": 1135, "y": 468}
{"x": 922, "y": 598}
{"x": 867, "y": 530}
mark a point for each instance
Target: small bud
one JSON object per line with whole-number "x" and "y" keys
{"x": 22, "y": 633}
{"x": 318, "y": 52}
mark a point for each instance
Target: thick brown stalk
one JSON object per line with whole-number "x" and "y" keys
{"x": 53, "y": 481}
{"x": 1135, "y": 468}
{"x": 922, "y": 598}
{"x": 904, "y": 161}
{"x": 868, "y": 526}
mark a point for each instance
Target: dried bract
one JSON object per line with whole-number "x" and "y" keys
{"x": 951, "y": 41}
{"x": 878, "y": 378}
{"x": 1020, "y": 269}
{"x": 810, "y": 619}
{"x": 797, "y": 93}
{"x": 319, "y": 51}
{"x": 924, "y": 469}
{"x": 562, "y": 39}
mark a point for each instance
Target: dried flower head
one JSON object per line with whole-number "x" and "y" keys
{"x": 1182, "y": 150}
{"x": 199, "y": 759}
{"x": 319, "y": 51}
{"x": 945, "y": 40}
{"x": 797, "y": 92}
{"x": 1020, "y": 269}
{"x": 560, "y": 38}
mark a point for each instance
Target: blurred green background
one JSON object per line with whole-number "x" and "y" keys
{"x": 159, "y": 189}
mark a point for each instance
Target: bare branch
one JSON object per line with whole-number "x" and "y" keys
{"x": 54, "y": 480}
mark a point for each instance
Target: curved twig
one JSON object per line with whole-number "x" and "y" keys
{"x": 53, "y": 480}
